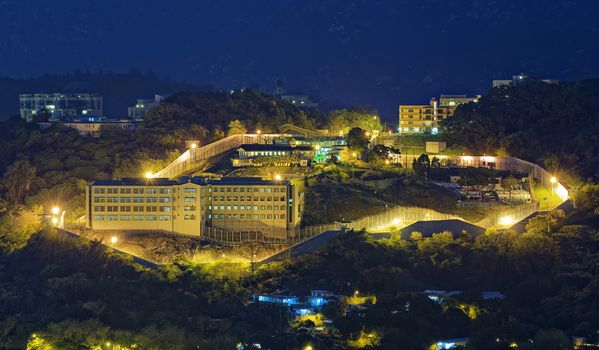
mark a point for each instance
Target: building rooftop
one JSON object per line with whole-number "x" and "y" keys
{"x": 199, "y": 180}
{"x": 136, "y": 182}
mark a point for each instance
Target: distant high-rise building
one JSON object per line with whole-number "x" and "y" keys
{"x": 424, "y": 119}
{"x": 520, "y": 78}
{"x": 60, "y": 106}
{"x": 138, "y": 112}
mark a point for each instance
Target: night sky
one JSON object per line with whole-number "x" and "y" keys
{"x": 376, "y": 53}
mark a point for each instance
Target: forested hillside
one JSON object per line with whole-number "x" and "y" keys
{"x": 553, "y": 125}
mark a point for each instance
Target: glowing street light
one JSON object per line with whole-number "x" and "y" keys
{"x": 55, "y": 221}
{"x": 387, "y": 162}
{"x": 506, "y": 220}
{"x": 194, "y": 145}
{"x": 553, "y": 180}
{"x": 308, "y": 347}
{"x": 113, "y": 239}
{"x": 55, "y": 210}
{"x": 317, "y": 147}
{"x": 149, "y": 175}
{"x": 278, "y": 177}
{"x": 258, "y": 131}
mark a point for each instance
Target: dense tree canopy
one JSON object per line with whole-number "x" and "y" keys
{"x": 554, "y": 125}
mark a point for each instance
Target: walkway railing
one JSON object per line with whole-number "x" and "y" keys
{"x": 195, "y": 157}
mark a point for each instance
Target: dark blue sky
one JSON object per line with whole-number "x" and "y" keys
{"x": 369, "y": 52}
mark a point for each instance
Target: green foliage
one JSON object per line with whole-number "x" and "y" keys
{"x": 236, "y": 127}
{"x": 357, "y": 140}
{"x": 534, "y": 121}
{"x": 343, "y": 120}
{"x": 16, "y": 227}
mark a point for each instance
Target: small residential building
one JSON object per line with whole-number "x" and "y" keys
{"x": 60, "y": 106}
{"x": 446, "y": 344}
{"x": 93, "y": 126}
{"x": 521, "y": 78}
{"x": 435, "y": 146}
{"x": 142, "y": 106}
{"x": 191, "y": 204}
{"x": 425, "y": 119}
{"x": 273, "y": 155}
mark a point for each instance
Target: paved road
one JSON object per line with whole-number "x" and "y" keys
{"x": 309, "y": 246}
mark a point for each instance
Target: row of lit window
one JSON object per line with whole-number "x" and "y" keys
{"x": 247, "y": 217}
{"x": 132, "y": 199}
{"x": 136, "y": 190}
{"x": 246, "y": 198}
{"x": 132, "y": 217}
{"x": 135, "y": 208}
{"x": 246, "y": 207}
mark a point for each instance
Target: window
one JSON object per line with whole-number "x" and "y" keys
{"x": 151, "y": 199}
{"x": 99, "y": 208}
{"x": 138, "y": 217}
{"x": 165, "y": 191}
{"x": 242, "y": 189}
{"x": 100, "y": 200}
{"x": 151, "y": 217}
{"x": 112, "y": 190}
{"x": 255, "y": 207}
{"x": 268, "y": 216}
{"x": 99, "y": 217}
{"x": 112, "y": 208}
{"x": 125, "y": 218}
{"x": 99, "y": 190}
{"x": 228, "y": 216}
{"x": 189, "y": 199}
{"x": 126, "y": 208}
{"x": 112, "y": 218}
{"x": 138, "y": 199}
{"x": 138, "y": 191}
{"x": 268, "y": 190}
{"x": 189, "y": 190}
{"x": 228, "y": 207}
{"x": 125, "y": 199}
{"x": 112, "y": 199}
{"x": 165, "y": 209}
{"x": 192, "y": 208}
{"x": 164, "y": 199}
{"x": 261, "y": 216}
{"x": 138, "y": 208}
{"x": 242, "y": 216}
{"x": 234, "y": 216}
{"x": 125, "y": 191}
{"x": 235, "y": 207}
{"x": 164, "y": 218}
{"x": 151, "y": 191}
{"x": 189, "y": 217}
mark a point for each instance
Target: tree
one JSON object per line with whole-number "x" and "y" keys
{"x": 251, "y": 251}
{"x": 509, "y": 183}
{"x": 357, "y": 139}
{"x": 343, "y": 120}
{"x": 17, "y": 180}
{"x": 422, "y": 165}
{"x": 236, "y": 127}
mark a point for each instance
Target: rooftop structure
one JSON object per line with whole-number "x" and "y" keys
{"x": 60, "y": 106}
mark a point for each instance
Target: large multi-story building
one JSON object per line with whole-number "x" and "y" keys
{"x": 300, "y": 101}
{"x": 190, "y": 205}
{"x": 273, "y": 155}
{"x": 521, "y": 78}
{"x": 138, "y": 112}
{"x": 425, "y": 119}
{"x": 60, "y": 106}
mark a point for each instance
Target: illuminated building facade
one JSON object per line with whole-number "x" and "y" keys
{"x": 188, "y": 205}
{"x": 425, "y": 119}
